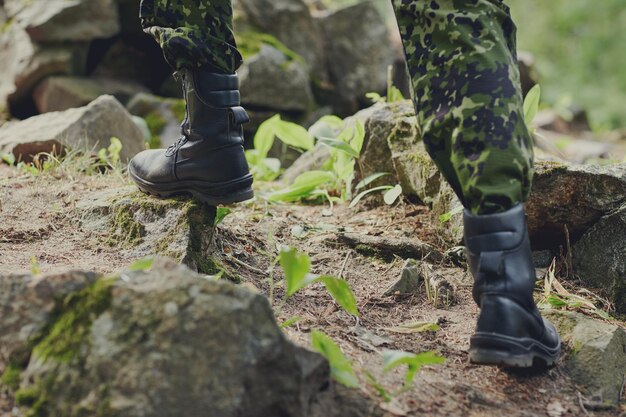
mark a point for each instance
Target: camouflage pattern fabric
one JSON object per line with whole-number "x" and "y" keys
{"x": 193, "y": 33}
{"x": 462, "y": 60}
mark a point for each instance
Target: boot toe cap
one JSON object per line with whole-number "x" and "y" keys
{"x": 151, "y": 166}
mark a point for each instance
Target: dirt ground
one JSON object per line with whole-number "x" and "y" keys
{"x": 40, "y": 228}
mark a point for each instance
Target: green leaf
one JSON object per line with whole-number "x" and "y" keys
{"x": 375, "y": 97}
{"x": 370, "y": 179}
{"x": 414, "y": 362}
{"x": 414, "y": 327}
{"x": 340, "y": 367}
{"x": 339, "y": 145}
{"x": 8, "y": 158}
{"x": 360, "y": 196}
{"x": 327, "y": 127}
{"x": 340, "y": 290}
{"x": 531, "y": 104}
{"x": 303, "y": 186}
{"x": 358, "y": 138}
{"x": 115, "y": 148}
{"x": 392, "y": 195}
{"x": 264, "y": 137}
{"x": 221, "y": 214}
{"x": 446, "y": 217}
{"x": 556, "y": 302}
{"x": 141, "y": 265}
{"x": 294, "y": 135}
{"x": 291, "y": 321}
{"x": 296, "y": 267}
{"x": 394, "y": 95}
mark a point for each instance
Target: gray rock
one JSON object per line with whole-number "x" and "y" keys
{"x": 572, "y": 196}
{"x": 599, "y": 257}
{"x": 65, "y": 20}
{"x": 153, "y": 343}
{"x": 24, "y": 64}
{"x": 62, "y": 93}
{"x": 271, "y": 80}
{"x": 596, "y": 359}
{"x": 87, "y": 128}
{"x": 410, "y": 279}
{"x": 357, "y": 59}
{"x": 142, "y": 226}
{"x": 163, "y": 116}
{"x": 290, "y": 21}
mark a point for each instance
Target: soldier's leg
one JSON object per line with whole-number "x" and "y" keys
{"x": 208, "y": 161}
{"x": 462, "y": 61}
{"x": 193, "y": 33}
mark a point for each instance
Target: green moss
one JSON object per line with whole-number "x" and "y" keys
{"x": 125, "y": 230}
{"x": 28, "y": 396}
{"x": 250, "y": 44}
{"x": 73, "y": 316}
{"x": 156, "y": 124}
{"x": 11, "y": 376}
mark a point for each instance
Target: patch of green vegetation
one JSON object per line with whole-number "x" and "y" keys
{"x": 4, "y": 28}
{"x": 179, "y": 109}
{"x": 11, "y": 376}
{"x": 156, "y": 124}
{"x": 250, "y": 44}
{"x": 72, "y": 319}
{"x": 28, "y": 397}
{"x": 125, "y": 230}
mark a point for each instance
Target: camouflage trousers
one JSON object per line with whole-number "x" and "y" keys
{"x": 461, "y": 56}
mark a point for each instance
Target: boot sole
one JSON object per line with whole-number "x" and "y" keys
{"x": 509, "y": 352}
{"x": 214, "y": 194}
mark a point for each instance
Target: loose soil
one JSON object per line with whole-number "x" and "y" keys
{"x": 40, "y": 228}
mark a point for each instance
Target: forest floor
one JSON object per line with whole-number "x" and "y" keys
{"x": 40, "y": 228}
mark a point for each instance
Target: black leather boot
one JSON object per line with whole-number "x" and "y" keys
{"x": 208, "y": 161}
{"x": 510, "y": 330}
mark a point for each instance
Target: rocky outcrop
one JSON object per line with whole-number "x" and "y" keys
{"x": 572, "y": 196}
{"x": 150, "y": 342}
{"x": 162, "y": 115}
{"x": 62, "y": 93}
{"x": 595, "y": 357}
{"x": 599, "y": 257}
{"x": 143, "y": 226}
{"x": 272, "y": 80}
{"x": 358, "y": 59}
{"x": 88, "y": 128}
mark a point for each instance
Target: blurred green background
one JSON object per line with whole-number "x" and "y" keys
{"x": 580, "y": 51}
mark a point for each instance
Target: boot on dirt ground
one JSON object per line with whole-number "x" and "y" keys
{"x": 208, "y": 161}
{"x": 510, "y": 330}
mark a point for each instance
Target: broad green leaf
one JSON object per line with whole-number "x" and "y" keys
{"x": 141, "y": 265}
{"x": 359, "y": 137}
{"x": 296, "y": 267}
{"x": 294, "y": 135}
{"x": 264, "y": 137}
{"x": 392, "y": 195}
{"x": 340, "y": 367}
{"x": 291, "y": 321}
{"x": 375, "y": 97}
{"x": 531, "y": 104}
{"x": 340, "y": 145}
{"x": 221, "y": 214}
{"x": 394, "y": 95}
{"x": 327, "y": 127}
{"x": 370, "y": 179}
{"x": 394, "y": 358}
{"x": 556, "y": 301}
{"x": 342, "y": 293}
{"x": 8, "y": 158}
{"x": 302, "y": 186}
{"x": 360, "y": 196}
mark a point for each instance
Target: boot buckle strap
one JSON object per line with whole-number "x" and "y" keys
{"x": 491, "y": 263}
{"x": 239, "y": 116}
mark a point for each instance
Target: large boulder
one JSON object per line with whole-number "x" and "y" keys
{"x": 357, "y": 59}
{"x": 272, "y": 80}
{"x": 24, "y": 64}
{"x": 573, "y": 197}
{"x": 62, "y": 93}
{"x": 65, "y": 20}
{"x": 86, "y": 128}
{"x": 599, "y": 257}
{"x": 151, "y": 343}
{"x": 290, "y": 21}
